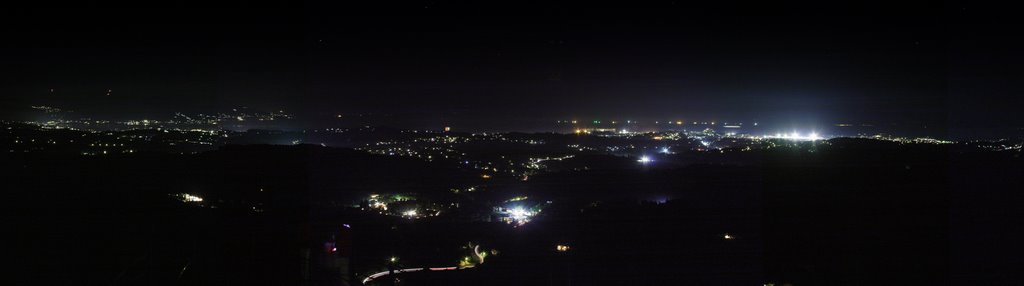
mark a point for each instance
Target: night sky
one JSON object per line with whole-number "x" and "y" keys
{"x": 955, "y": 67}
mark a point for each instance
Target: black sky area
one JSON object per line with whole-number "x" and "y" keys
{"x": 513, "y": 64}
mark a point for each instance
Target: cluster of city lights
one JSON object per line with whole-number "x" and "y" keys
{"x": 518, "y": 215}
{"x": 376, "y": 203}
{"x": 188, "y": 198}
{"x": 645, "y": 160}
{"x": 796, "y": 136}
{"x": 561, "y": 248}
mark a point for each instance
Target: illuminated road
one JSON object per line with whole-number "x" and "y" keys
{"x": 407, "y": 270}
{"x": 476, "y": 252}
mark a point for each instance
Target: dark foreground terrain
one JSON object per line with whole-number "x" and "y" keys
{"x": 852, "y": 212}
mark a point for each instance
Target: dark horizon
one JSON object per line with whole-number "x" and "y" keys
{"x": 947, "y": 65}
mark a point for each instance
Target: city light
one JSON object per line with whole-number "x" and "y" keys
{"x": 516, "y": 199}
{"x": 189, "y": 198}
{"x": 561, "y": 248}
{"x": 644, "y": 160}
{"x": 518, "y": 213}
{"x": 796, "y": 136}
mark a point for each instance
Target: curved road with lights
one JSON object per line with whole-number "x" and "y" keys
{"x": 407, "y": 270}
{"x": 476, "y": 252}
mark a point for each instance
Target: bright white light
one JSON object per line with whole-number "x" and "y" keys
{"x": 409, "y": 213}
{"x": 189, "y": 198}
{"x": 644, "y": 159}
{"x": 664, "y": 150}
{"x": 796, "y": 136}
{"x": 518, "y": 213}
